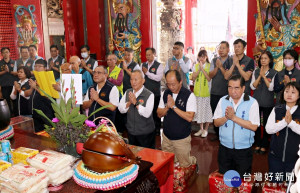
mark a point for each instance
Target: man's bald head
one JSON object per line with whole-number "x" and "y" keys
{"x": 74, "y": 59}
{"x": 75, "y": 62}
{"x": 66, "y": 68}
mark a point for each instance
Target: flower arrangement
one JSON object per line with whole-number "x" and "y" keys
{"x": 69, "y": 126}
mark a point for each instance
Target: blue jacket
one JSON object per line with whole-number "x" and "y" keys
{"x": 232, "y": 135}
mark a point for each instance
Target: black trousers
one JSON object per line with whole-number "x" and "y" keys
{"x": 214, "y": 99}
{"x": 263, "y": 141}
{"x": 277, "y": 166}
{"x": 120, "y": 121}
{"x": 147, "y": 140}
{"x": 157, "y": 120}
{"x": 239, "y": 160}
{"x": 6, "y": 91}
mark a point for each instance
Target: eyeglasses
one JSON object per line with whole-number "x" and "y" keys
{"x": 98, "y": 73}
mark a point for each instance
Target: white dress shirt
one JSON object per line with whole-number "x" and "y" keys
{"x": 113, "y": 95}
{"x": 143, "y": 111}
{"x": 190, "y": 106}
{"x": 253, "y": 112}
{"x": 273, "y": 127}
{"x": 16, "y": 67}
{"x": 159, "y": 73}
{"x": 95, "y": 64}
{"x": 185, "y": 67}
{"x": 13, "y": 96}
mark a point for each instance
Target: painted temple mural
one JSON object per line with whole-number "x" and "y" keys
{"x": 124, "y": 25}
{"x": 26, "y": 27}
{"x": 278, "y": 27}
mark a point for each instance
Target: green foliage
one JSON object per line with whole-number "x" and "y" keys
{"x": 70, "y": 128}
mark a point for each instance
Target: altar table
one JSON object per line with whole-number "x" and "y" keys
{"x": 162, "y": 167}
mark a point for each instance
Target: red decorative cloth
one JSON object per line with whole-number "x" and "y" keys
{"x": 269, "y": 187}
{"x": 217, "y": 185}
{"x": 183, "y": 178}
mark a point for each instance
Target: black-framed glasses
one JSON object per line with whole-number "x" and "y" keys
{"x": 97, "y": 72}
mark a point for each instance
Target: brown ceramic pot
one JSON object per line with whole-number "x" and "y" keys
{"x": 4, "y": 114}
{"x": 106, "y": 152}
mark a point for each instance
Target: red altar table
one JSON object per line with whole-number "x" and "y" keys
{"x": 163, "y": 162}
{"x": 163, "y": 166}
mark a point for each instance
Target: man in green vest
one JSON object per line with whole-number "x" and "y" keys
{"x": 115, "y": 74}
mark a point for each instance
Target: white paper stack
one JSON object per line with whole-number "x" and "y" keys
{"x": 57, "y": 165}
{"x": 23, "y": 179}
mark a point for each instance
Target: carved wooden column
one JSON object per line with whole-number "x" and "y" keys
{"x": 171, "y": 21}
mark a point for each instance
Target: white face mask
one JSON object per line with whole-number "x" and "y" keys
{"x": 84, "y": 54}
{"x": 288, "y": 62}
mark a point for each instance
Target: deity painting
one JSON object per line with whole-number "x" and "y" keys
{"x": 278, "y": 27}
{"x": 26, "y": 27}
{"x": 124, "y": 28}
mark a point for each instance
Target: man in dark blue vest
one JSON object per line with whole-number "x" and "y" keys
{"x": 177, "y": 106}
{"x": 154, "y": 72}
{"x": 55, "y": 61}
{"x": 138, "y": 103}
{"x": 102, "y": 93}
{"x": 38, "y": 101}
{"x": 128, "y": 66}
{"x": 87, "y": 63}
{"x": 24, "y": 60}
{"x": 7, "y": 77}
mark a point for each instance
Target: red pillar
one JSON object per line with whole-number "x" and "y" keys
{"x": 146, "y": 27}
{"x": 188, "y": 24}
{"x": 96, "y": 29}
{"x": 251, "y": 38}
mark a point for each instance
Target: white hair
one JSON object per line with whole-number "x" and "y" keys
{"x": 141, "y": 73}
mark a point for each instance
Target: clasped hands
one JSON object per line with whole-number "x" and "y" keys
{"x": 132, "y": 98}
{"x": 288, "y": 116}
{"x": 17, "y": 86}
{"x": 170, "y": 102}
{"x": 229, "y": 113}
{"x": 94, "y": 96}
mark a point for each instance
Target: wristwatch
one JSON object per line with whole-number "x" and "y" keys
{"x": 174, "y": 107}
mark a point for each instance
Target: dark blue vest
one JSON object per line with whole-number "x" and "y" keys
{"x": 285, "y": 143}
{"x": 176, "y": 127}
{"x": 152, "y": 85}
{"x": 103, "y": 95}
{"x": 126, "y": 78}
{"x": 24, "y": 107}
{"x": 57, "y": 64}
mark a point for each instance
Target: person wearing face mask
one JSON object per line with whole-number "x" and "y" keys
{"x": 289, "y": 74}
{"x": 87, "y": 63}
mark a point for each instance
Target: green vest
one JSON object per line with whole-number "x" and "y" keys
{"x": 114, "y": 75}
{"x": 201, "y": 88}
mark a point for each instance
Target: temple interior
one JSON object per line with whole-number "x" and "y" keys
{"x": 161, "y": 70}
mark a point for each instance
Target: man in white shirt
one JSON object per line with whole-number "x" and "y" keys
{"x": 179, "y": 62}
{"x": 177, "y": 106}
{"x": 128, "y": 66}
{"x": 33, "y": 54}
{"x": 87, "y": 62}
{"x": 154, "y": 72}
{"x": 138, "y": 103}
{"x": 102, "y": 93}
{"x": 24, "y": 60}
{"x": 237, "y": 115}
{"x": 55, "y": 61}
